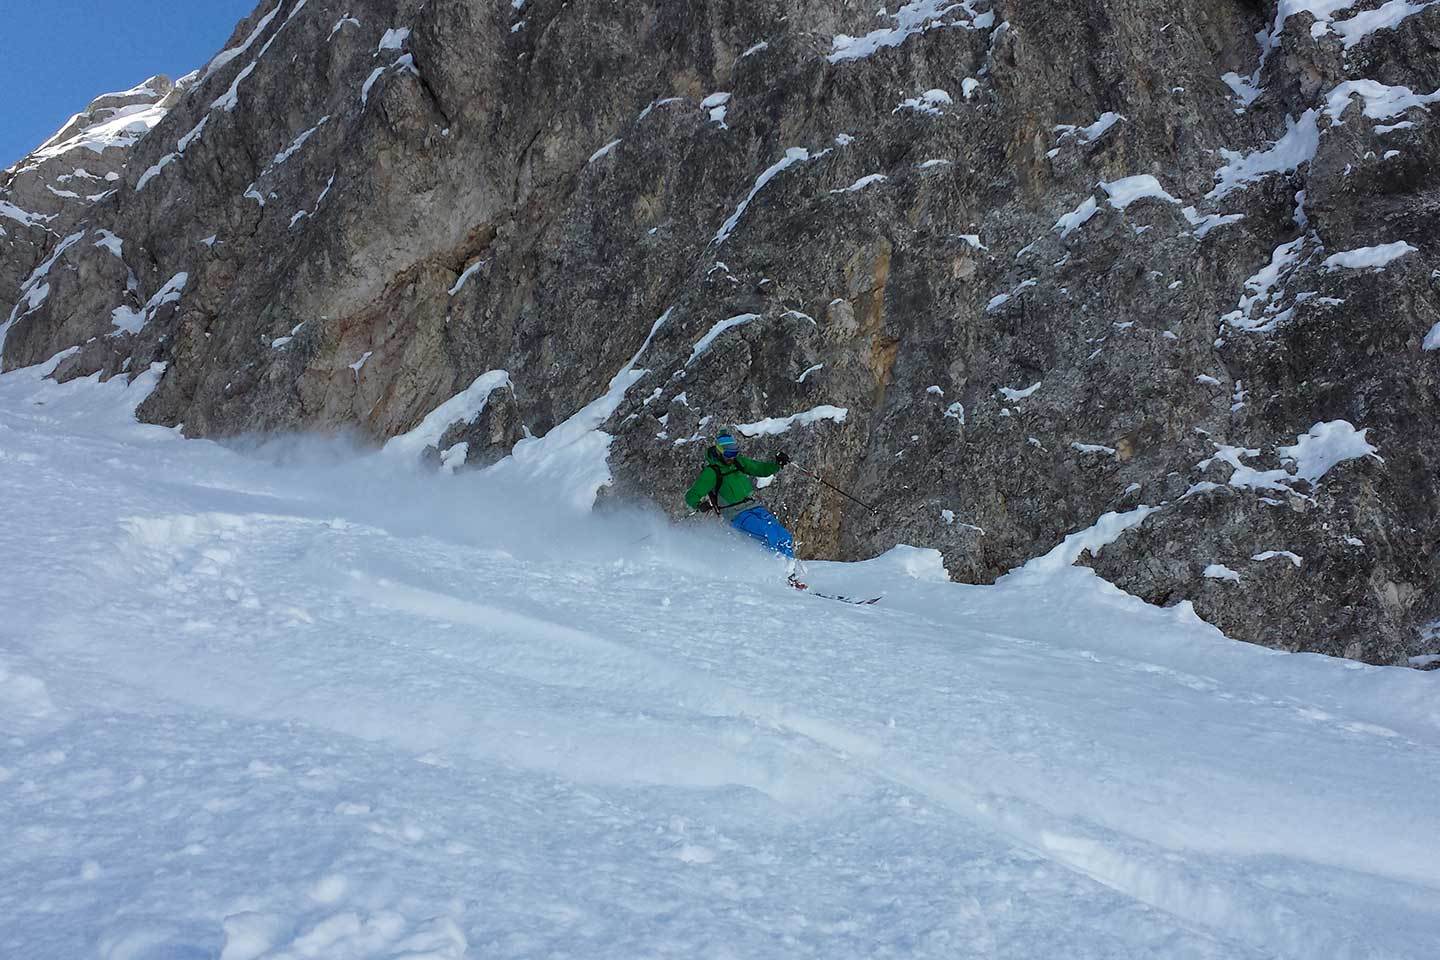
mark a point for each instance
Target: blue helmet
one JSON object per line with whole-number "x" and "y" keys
{"x": 728, "y": 446}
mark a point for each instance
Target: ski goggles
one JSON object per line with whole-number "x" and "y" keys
{"x": 728, "y": 446}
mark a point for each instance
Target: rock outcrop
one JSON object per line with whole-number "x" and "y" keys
{"x": 1001, "y": 268}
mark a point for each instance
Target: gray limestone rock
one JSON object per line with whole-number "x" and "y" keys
{"x": 1051, "y": 260}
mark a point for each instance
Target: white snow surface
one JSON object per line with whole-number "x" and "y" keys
{"x": 773, "y": 425}
{"x": 1259, "y": 308}
{"x": 793, "y": 155}
{"x": 1091, "y": 132}
{"x": 464, "y": 407}
{"x": 298, "y": 142}
{"x": 1128, "y": 190}
{"x": 910, "y": 19}
{"x": 1385, "y": 17}
{"x": 1077, "y": 218}
{"x": 1093, "y": 539}
{"x": 23, "y": 217}
{"x": 865, "y": 181}
{"x": 1218, "y": 571}
{"x": 109, "y": 241}
{"x": 1296, "y": 147}
{"x": 1381, "y": 101}
{"x": 1294, "y": 558}
{"x": 35, "y": 289}
{"x": 1011, "y": 394}
{"x": 154, "y": 170}
{"x": 227, "y": 56}
{"x": 1432, "y": 339}
{"x": 605, "y": 150}
{"x": 928, "y": 103}
{"x": 124, "y": 128}
{"x": 1325, "y": 445}
{"x": 129, "y": 320}
{"x": 394, "y": 39}
{"x": 295, "y": 700}
{"x": 1364, "y": 258}
{"x": 466, "y": 274}
{"x": 714, "y": 332}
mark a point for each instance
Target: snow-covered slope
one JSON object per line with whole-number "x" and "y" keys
{"x": 297, "y": 701}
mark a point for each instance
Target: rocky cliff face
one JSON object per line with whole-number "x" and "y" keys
{"x": 1002, "y": 268}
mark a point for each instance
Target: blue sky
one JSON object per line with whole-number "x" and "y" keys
{"x": 60, "y": 54}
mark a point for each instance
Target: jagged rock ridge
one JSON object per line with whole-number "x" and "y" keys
{"x": 1003, "y": 267}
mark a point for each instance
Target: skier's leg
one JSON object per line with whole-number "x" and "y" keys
{"x": 761, "y": 524}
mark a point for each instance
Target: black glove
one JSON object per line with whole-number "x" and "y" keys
{"x": 706, "y": 506}
{"x": 782, "y": 458}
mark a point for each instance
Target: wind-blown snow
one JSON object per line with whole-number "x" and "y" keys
{"x": 1092, "y": 132}
{"x": 773, "y": 425}
{"x": 1385, "y": 17}
{"x": 1011, "y": 394}
{"x": 1325, "y": 445}
{"x": 1363, "y": 258}
{"x": 1244, "y": 477}
{"x": 230, "y": 99}
{"x": 716, "y": 104}
{"x": 570, "y": 460}
{"x": 23, "y": 217}
{"x": 370, "y": 82}
{"x": 1218, "y": 571}
{"x": 1296, "y": 147}
{"x": 465, "y": 276}
{"x": 1432, "y": 339}
{"x": 464, "y": 407}
{"x": 34, "y": 291}
{"x": 1259, "y": 310}
{"x": 714, "y": 332}
{"x": 129, "y": 320}
{"x": 1094, "y": 538}
{"x": 1128, "y": 190}
{"x": 1294, "y": 558}
{"x": 865, "y": 181}
{"x": 405, "y": 64}
{"x": 793, "y": 155}
{"x": 1381, "y": 101}
{"x": 1204, "y": 223}
{"x": 127, "y": 127}
{"x": 1000, "y": 299}
{"x": 339, "y": 708}
{"x": 1077, "y": 218}
{"x": 155, "y": 170}
{"x": 184, "y": 142}
{"x": 604, "y": 151}
{"x": 394, "y": 39}
{"x": 227, "y": 56}
{"x": 910, "y": 19}
{"x": 297, "y": 143}
{"x": 927, "y": 103}
{"x": 108, "y": 241}
{"x": 341, "y": 23}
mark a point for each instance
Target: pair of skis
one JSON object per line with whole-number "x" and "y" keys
{"x": 805, "y": 588}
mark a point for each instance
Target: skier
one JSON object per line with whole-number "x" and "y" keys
{"x": 724, "y": 486}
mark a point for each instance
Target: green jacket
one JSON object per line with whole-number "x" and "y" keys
{"x": 732, "y": 478}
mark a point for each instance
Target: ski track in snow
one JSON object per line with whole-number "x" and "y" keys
{"x": 345, "y": 708}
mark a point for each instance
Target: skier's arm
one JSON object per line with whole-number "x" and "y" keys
{"x": 758, "y": 468}
{"x": 701, "y": 488}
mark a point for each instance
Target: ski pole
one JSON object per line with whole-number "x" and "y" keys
{"x": 843, "y": 493}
